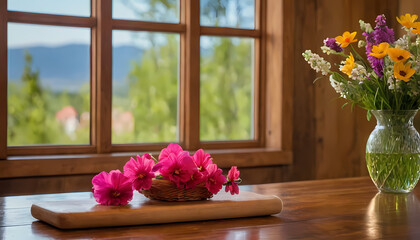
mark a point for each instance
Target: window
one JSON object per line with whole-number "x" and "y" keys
{"x": 113, "y": 77}
{"x": 48, "y": 85}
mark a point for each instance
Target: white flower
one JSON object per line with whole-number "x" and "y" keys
{"x": 358, "y": 73}
{"x": 317, "y": 63}
{"x": 327, "y": 50}
{"x": 402, "y": 42}
{"x": 361, "y": 44}
{"x": 416, "y": 65}
{"x": 366, "y": 27}
{"x": 393, "y": 85}
{"x": 338, "y": 86}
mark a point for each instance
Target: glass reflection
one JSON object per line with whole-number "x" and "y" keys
{"x": 387, "y": 211}
{"x": 48, "y": 85}
{"x": 227, "y": 13}
{"x": 63, "y": 7}
{"x": 144, "y": 87}
{"x": 146, "y": 10}
{"x": 226, "y": 88}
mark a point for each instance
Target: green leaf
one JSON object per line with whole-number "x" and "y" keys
{"x": 368, "y": 115}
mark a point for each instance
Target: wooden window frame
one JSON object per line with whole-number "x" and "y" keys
{"x": 273, "y": 92}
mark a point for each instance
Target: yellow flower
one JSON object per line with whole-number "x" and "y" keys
{"x": 346, "y": 39}
{"x": 348, "y": 66}
{"x": 403, "y": 71}
{"x": 407, "y": 20}
{"x": 398, "y": 55}
{"x": 416, "y": 28}
{"x": 380, "y": 51}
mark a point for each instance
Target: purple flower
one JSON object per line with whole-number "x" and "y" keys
{"x": 381, "y": 34}
{"x": 331, "y": 43}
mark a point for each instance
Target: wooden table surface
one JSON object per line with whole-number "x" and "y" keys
{"x": 348, "y": 208}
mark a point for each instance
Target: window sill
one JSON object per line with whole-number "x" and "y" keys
{"x": 30, "y": 166}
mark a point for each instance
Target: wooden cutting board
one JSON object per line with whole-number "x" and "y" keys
{"x": 89, "y": 214}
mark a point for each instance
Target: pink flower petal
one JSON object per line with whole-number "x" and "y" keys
{"x": 215, "y": 179}
{"x": 112, "y": 188}
{"x": 140, "y": 172}
{"x": 202, "y": 160}
{"x": 233, "y": 173}
{"x": 171, "y": 148}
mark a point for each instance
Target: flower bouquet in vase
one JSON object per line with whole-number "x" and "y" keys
{"x": 176, "y": 176}
{"x": 387, "y": 84}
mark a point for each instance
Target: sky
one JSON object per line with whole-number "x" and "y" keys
{"x": 27, "y": 35}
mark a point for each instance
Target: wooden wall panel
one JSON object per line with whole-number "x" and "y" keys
{"x": 412, "y": 7}
{"x": 329, "y": 142}
{"x": 82, "y": 183}
{"x": 304, "y": 93}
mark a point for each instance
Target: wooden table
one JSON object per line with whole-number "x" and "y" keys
{"x": 326, "y": 209}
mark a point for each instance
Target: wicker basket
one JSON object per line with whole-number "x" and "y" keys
{"x": 166, "y": 190}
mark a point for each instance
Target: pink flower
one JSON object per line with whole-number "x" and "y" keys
{"x": 215, "y": 179}
{"x": 196, "y": 178}
{"x": 177, "y": 168}
{"x": 140, "y": 172}
{"x": 171, "y": 148}
{"x": 202, "y": 160}
{"x": 232, "y": 185}
{"x": 112, "y": 188}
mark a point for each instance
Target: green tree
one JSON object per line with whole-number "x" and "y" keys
{"x": 153, "y": 93}
{"x": 27, "y": 109}
{"x": 32, "y": 110}
{"x": 226, "y": 88}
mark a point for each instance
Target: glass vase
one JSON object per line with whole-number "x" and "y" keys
{"x": 393, "y": 151}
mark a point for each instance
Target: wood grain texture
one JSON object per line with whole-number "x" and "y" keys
{"x": 155, "y": 147}
{"x": 230, "y": 32}
{"x": 342, "y": 133}
{"x": 147, "y": 26}
{"x": 304, "y": 138}
{"x": 93, "y": 78}
{"x": 410, "y": 6}
{"x": 94, "y": 163}
{"x": 3, "y": 79}
{"x": 83, "y": 183}
{"x": 71, "y": 214}
{"x": 328, "y": 141}
{"x": 260, "y": 73}
{"x": 190, "y": 88}
{"x": 230, "y": 144}
{"x": 325, "y": 209}
{"x": 104, "y": 76}
{"x": 279, "y": 52}
{"x": 49, "y": 149}
{"x": 50, "y": 19}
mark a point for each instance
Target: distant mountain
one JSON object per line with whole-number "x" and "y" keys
{"x": 67, "y": 67}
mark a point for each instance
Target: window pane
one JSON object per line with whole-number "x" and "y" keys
{"x": 48, "y": 85}
{"x": 145, "y": 87}
{"x": 62, "y": 7}
{"x": 146, "y": 10}
{"x": 226, "y": 90}
{"x": 227, "y": 13}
